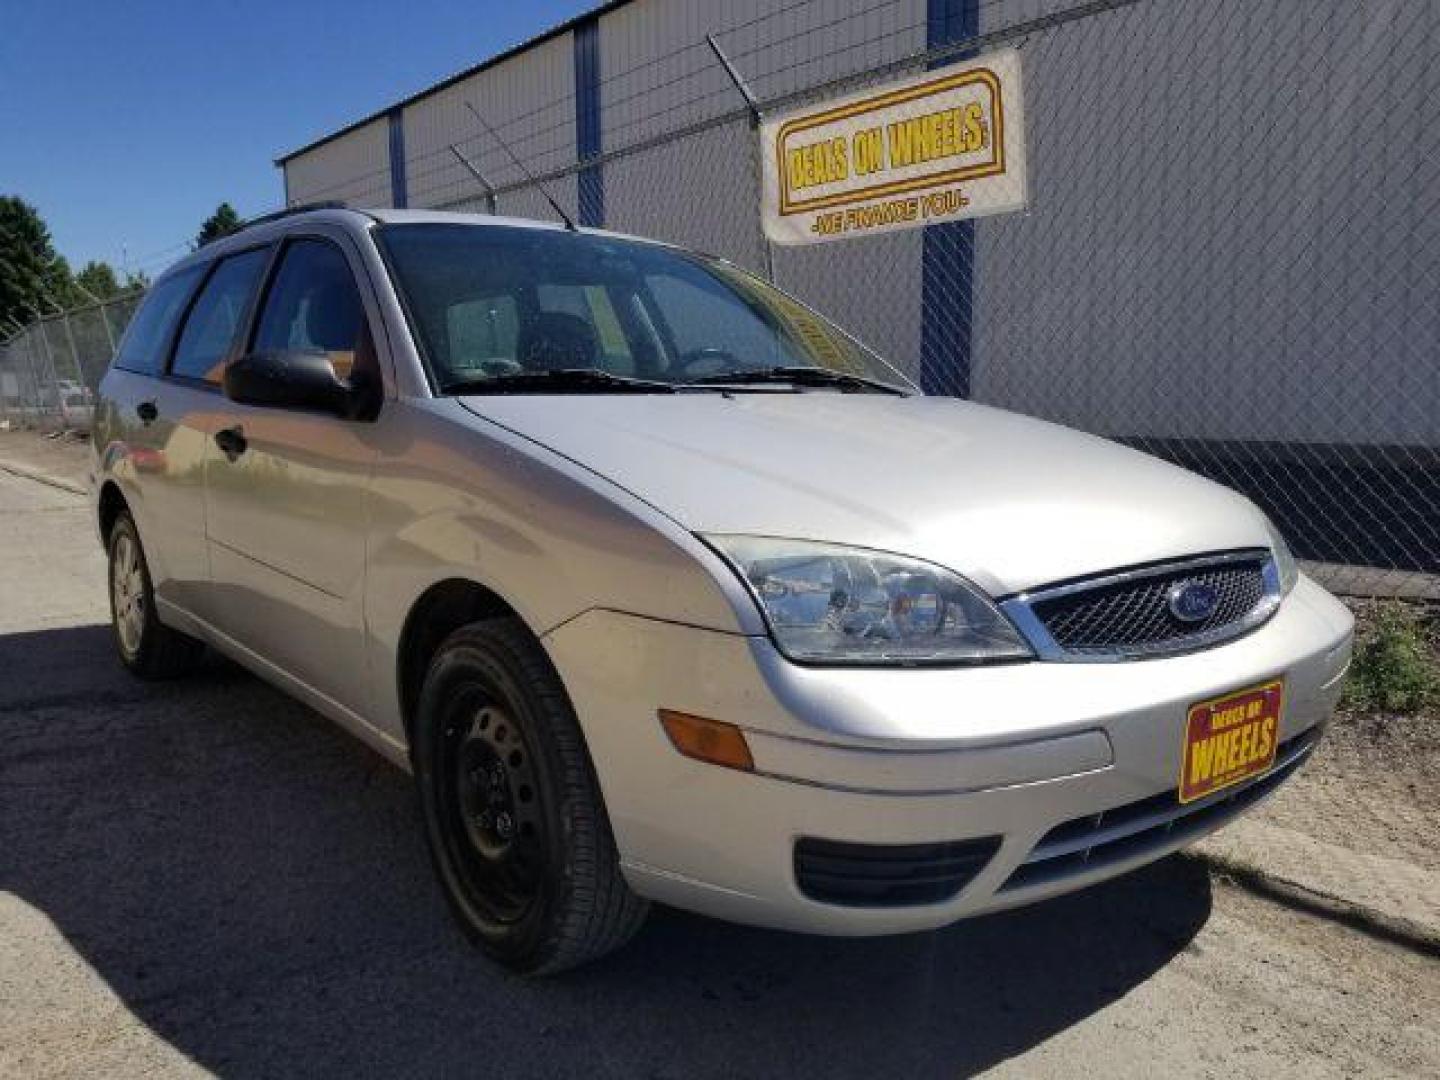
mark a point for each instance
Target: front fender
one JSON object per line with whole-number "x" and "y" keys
{"x": 550, "y": 538}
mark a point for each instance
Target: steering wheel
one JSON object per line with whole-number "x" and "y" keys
{"x": 497, "y": 366}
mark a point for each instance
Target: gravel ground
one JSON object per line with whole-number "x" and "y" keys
{"x": 205, "y": 877}
{"x": 67, "y": 457}
{"x": 1371, "y": 787}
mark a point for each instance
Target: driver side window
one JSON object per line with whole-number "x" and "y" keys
{"x": 313, "y": 304}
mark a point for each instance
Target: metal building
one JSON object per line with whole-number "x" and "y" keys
{"x": 1229, "y": 258}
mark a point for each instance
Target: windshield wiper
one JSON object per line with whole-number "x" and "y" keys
{"x": 800, "y": 375}
{"x": 557, "y": 381}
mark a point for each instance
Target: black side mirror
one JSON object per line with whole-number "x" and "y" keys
{"x": 293, "y": 378}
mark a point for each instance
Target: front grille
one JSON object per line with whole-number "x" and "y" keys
{"x": 1136, "y": 829}
{"x": 889, "y": 875}
{"x": 1129, "y": 614}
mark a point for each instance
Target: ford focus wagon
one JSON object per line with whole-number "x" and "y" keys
{"x": 665, "y": 588}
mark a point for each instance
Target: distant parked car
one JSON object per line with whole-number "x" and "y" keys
{"x": 77, "y": 408}
{"x": 665, "y": 588}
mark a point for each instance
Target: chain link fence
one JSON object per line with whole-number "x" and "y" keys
{"x": 1229, "y": 259}
{"x": 50, "y": 369}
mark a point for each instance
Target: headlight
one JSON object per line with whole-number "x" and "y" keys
{"x": 1285, "y": 567}
{"x": 844, "y": 605}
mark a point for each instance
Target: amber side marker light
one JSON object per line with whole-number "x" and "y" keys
{"x": 707, "y": 740}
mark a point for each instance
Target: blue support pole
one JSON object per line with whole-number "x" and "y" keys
{"x": 590, "y": 180}
{"x": 947, "y": 259}
{"x": 399, "y": 197}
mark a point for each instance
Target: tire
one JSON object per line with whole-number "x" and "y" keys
{"x": 512, "y": 811}
{"x": 149, "y": 648}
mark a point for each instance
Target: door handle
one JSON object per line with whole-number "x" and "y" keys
{"x": 232, "y": 441}
{"x": 148, "y": 412}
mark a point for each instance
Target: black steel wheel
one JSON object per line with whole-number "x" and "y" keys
{"x": 512, "y": 811}
{"x": 488, "y": 795}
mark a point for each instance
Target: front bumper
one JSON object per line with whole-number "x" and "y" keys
{"x": 1025, "y": 753}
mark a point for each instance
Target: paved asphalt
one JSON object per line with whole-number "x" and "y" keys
{"x": 206, "y": 877}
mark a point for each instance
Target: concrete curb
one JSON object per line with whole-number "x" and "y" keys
{"x": 27, "y": 473}
{"x": 1386, "y": 898}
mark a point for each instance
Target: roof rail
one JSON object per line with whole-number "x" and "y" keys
{"x": 299, "y": 208}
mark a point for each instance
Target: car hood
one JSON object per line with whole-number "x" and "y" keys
{"x": 1008, "y": 501}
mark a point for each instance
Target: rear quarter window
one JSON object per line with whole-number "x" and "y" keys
{"x": 142, "y": 350}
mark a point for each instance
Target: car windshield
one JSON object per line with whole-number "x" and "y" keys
{"x": 516, "y": 306}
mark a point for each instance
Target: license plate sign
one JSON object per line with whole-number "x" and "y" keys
{"x": 1229, "y": 739}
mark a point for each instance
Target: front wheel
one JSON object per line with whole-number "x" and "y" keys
{"x": 148, "y": 647}
{"x": 512, "y": 810}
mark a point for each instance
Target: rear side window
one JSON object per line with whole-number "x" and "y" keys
{"x": 216, "y": 318}
{"x": 143, "y": 348}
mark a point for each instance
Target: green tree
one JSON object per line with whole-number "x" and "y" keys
{"x": 60, "y": 283}
{"x": 222, "y": 222}
{"x": 97, "y": 281}
{"x": 32, "y": 276}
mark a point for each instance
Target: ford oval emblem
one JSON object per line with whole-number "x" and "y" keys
{"x": 1192, "y": 601}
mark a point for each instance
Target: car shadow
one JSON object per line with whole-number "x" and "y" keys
{"x": 252, "y": 885}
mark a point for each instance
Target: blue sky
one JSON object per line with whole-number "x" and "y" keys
{"x": 126, "y": 123}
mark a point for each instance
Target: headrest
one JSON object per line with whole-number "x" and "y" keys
{"x": 554, "y": 340}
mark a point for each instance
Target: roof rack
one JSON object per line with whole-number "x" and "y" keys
{"x": 299, "y": 208}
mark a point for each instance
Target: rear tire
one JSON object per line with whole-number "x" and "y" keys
{"x": 149, "y": 648}
{"x": 513, "y": 815}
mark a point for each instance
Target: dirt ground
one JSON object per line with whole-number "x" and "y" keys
{"x": 1371, "y": 785}
{"x": 66, "y": 456}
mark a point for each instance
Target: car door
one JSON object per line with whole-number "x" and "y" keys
{"x": 287, "y": 488}
{"x": 188, "y": 406}
{"x": 161, "y": 407}
{"x": 141, "y": 445}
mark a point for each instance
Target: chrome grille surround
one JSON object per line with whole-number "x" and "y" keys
{"x": 1123, "y": 615}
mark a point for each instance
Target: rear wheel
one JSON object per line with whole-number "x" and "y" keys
{"x": 512, "y": 810}
{"x": 146, "y": 646}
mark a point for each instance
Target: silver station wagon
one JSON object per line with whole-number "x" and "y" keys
{"x": 666, "y": 589}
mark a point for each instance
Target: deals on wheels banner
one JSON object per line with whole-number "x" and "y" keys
{"x": 941, "y": 147}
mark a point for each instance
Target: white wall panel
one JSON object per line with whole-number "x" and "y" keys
{"x": 1229, "y": 236}
{"x": 657, "y": 74}
{"x": 528, "y": 99}
{"x": 354, "y": 169}
{"x": 1190, "y": 265}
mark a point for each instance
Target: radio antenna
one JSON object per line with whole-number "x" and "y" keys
{"x": 569, "y": 223}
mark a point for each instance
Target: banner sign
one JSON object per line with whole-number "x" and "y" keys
{"x": 947, "y": 145}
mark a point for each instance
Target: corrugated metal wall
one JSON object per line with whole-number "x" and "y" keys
{"x": 354, "y": 169}
{"x": 1189, "y": 261}
{"x": 1226, "y": 225}
{"x": 529, "y": 100}
{"x": 659, "y": 75}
